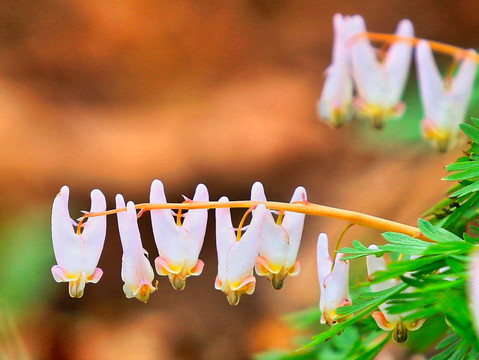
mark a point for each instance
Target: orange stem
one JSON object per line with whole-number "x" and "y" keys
{"x": 240, "y": 226}
{"x": 306, "y": 208}
{"x": 178, "y": 218}
{"x": 436, "y": 46}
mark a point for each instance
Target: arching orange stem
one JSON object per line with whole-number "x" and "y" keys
{"x": 436, "y": 46}
{"x": 306, "y": 208}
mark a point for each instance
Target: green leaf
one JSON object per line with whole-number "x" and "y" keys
{"x": 475, "y": 121}
{"x": 471, "y": 131}
{"x": 444, "y": 355}
{"x": 435, "y": 233}
{"x": 466, "y": 190}
{"x": 472, "y": 239}
{"x": 372, "y": 351}
{"x": 359, "y": 250}
{"x": 448, "y": 341}
{"x": 404, "y": 244}
{"x": 449, "y": 247}
{"x": 462, "y": 165}
{"x": 460, "y": 217}
{"x": 463, "y": 175}
{"x": 401, "y": 249}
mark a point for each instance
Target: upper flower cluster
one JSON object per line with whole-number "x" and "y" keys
{"x": 368, "y": 83}
{"x": 378, "y": 79}
{"x": 444, "y": 100}
{"x": 269, "y": 245}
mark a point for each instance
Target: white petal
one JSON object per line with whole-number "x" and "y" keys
{"x": 241, "y": 256}
{"x": 398, "y": 62}
{"x": 135, "y": 266}
{"x": 337, "y": 92}
{"x": 293, "y": 223}
{"x": 122, "y": 219}
{"x": 431, "y": 85}
{"x": 94, "y": 232}
{"x": 337, "y": 286}
{"x": 274, "y": 243}
{"x": 257, "y": 192}
{"x": 375, "y": 264}
{"x": 170, "y": 238}
{"x": 340, "y": 36}
{"x": 128, "y": 224}
{"x": 366, "y": 69}
{"x": 195, "y": 224}
{"x": 225, "y": 237}
{"x": 324, "y": 262}
{"x": 461, "y": 89}
{"x": 58, "y": 274}
{"x": 274, "y": 239}
{"x": 66, "y": 244}
{"x": 464, "y": 79}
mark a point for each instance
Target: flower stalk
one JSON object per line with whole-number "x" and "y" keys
{"x": 455, "y": 51}
{"x": 305, "y": 207}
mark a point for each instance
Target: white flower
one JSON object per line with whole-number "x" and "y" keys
{"x": 333, "y": 282}
{"x": 280, "y": 240}
{"x": 334, "y": 105}
{"x": 77, "y": 255}
{"x": 179, "y": 245}
{"x": 136, "y": 270}
{"x": 474, "y": 290}
{"x": 236, "y": 258}
{"x": 380, "y": 83}
{"x": 444, "y": 102}
{"x": 383, "y": 318}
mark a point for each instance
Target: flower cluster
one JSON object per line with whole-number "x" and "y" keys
{"x": 365, "y": 83}
{"x": 270, "y": 246}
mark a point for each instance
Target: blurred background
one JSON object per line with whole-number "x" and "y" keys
{"x": 113, "y": 94}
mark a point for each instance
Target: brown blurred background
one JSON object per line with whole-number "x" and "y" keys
{"x": 113, "y": 94}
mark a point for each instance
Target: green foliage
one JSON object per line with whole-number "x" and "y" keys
{"x": 430, "y": 286}
{"x": 431, "y": 281}
{"x": 465, "y": 194}
{"x": 23, "y": 282}
{"x": 352, "y": 344}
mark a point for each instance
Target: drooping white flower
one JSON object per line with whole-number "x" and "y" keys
{"x": 334, "y": 105}
{"x": 333, "y": 282}
{"x": 444, "y": 102}
{"x": 236, "y": 258}
{"x": 136, "y": 270}
{"x": 77, "y": 255}
{"x": 179, "y": 245}
{"x": 280, "y": 240}
{"x": 385, "y": 320}
{"x": 380, "y": 82}
{"x": 473, "y": 292}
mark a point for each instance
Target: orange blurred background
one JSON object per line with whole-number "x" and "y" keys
{"x": 113, "y": 94}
